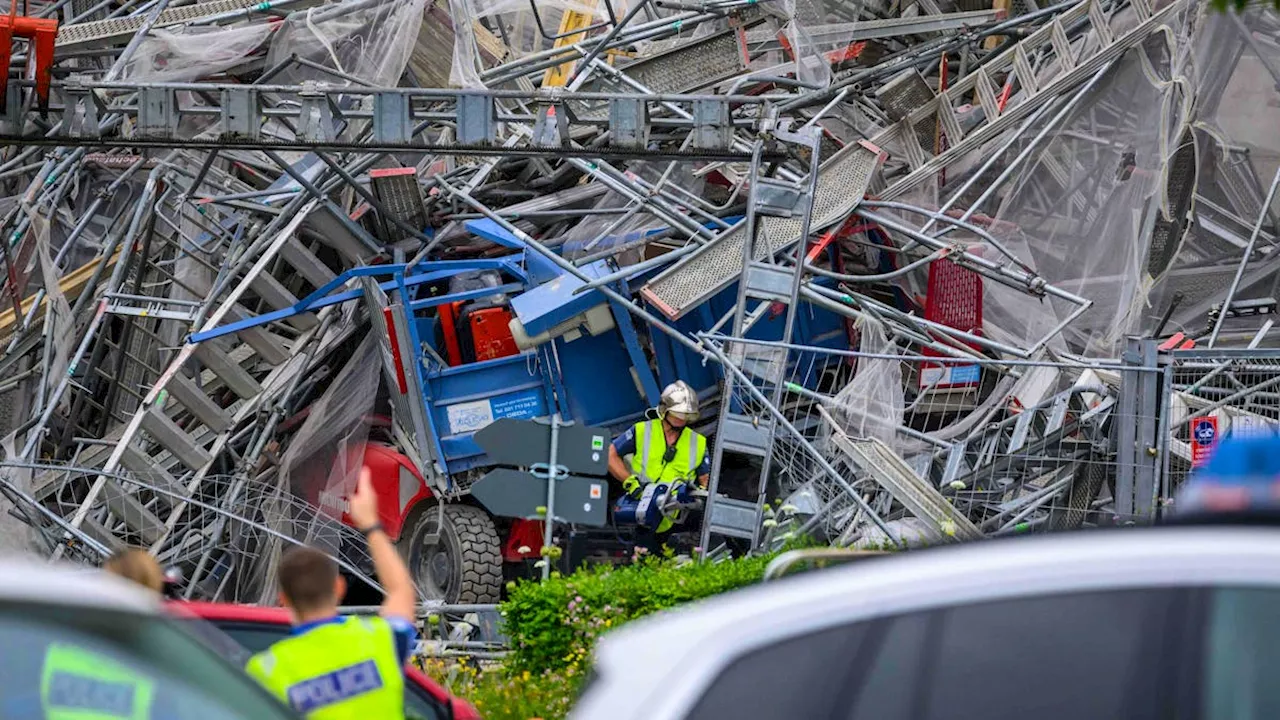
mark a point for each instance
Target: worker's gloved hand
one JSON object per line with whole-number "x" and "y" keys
{"x": 632, "y": 487}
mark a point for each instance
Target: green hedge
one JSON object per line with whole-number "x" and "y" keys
{"x": 553, "y": 625}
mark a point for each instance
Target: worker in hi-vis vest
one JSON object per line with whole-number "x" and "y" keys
{"x": 663, "y": 450}
{"x": 334, "y": 667}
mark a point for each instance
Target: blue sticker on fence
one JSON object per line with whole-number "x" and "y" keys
{"x": 1205, "y": 432}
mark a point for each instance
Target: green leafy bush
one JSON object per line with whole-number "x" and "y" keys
{"x": 553, "y": 625}
{"x": 500, "y": 693}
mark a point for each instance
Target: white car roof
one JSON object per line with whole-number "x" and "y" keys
{"x": 28, "y": 580}
{"x": 701, "y": 638}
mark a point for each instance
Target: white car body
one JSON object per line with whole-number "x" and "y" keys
{"x": 658, "y": 668}
{"x": 49, "y": 613}
{"x": 29, "y": 580}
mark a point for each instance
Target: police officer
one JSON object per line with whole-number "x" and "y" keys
{"x": 334, "y": 667}
{"x": 664, "y": 450}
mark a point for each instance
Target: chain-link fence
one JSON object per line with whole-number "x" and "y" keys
{"x": 936, "y": 447}
{"x": 224, "y": 533}
{"x": 1215, "y": 394}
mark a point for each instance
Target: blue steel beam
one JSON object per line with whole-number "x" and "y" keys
{"x": 320, "y": 298}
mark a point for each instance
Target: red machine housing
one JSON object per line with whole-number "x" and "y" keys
{"x": 491, "y": 333}
{"x": 400, "y": 488}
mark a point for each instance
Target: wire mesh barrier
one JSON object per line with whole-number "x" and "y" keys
{"x": 872, "y": 449}
{"x": 1217, "y": 394}
{"x": 226, "y": 534}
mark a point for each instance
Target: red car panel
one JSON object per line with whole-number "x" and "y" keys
{"x": 230, "y": 612}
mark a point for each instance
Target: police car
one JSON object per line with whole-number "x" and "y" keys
{"x": 85, "y": 644}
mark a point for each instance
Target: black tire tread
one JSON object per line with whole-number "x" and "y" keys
{"x": 480, "y": 547}
{"x": 481, "y": 554}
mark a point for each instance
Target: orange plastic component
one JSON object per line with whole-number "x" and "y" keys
{"x": 42, "y": 32}
{"x": 449, "y": 325}
{"x": 491, "y": 333}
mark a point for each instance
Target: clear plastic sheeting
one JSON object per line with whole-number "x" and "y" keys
{"x": 631, "y": 225}
{"x": 871, "y": 405}
{"x": 809, "y": 56}
{"x": 366, "y": 43}
{"x": 1079, "y": 209}
{"x": 325, "y": 456}
{"x": 194, "y": 52}
{"x": 524, "y": 27}
{"x": 59, "y": 322}
{"x": 1235, "y": 63}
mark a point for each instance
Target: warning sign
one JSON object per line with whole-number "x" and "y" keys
{"x": 1204, "y": 435}
{"x": 596, "y": 491}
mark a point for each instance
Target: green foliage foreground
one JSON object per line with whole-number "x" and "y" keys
{"x": 554, "y": 625}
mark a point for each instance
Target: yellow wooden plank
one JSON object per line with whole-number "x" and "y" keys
{"x": 71, "y": 284}
{"x": 570, "y": 21}
{"x": 994, "y": 41}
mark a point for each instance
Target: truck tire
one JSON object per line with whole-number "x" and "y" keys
{"x": 465, "y": 566}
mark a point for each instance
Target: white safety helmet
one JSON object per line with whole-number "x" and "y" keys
{"x": 680, "y": 400}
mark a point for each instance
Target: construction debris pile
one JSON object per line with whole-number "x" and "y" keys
{"x": 901, "y": 248}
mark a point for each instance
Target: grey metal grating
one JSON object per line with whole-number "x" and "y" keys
{"x": 401, "y": 195}
{"x": 842, "y": 181}
{"x": 1167, "y": 235}
{"x": 682, "y": 69}
{"x": 102, "y": 31}
{"x": 903, "y": 95}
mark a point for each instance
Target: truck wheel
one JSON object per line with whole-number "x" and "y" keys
{"x": 465, "y": 565}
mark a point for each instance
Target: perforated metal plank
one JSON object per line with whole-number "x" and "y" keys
{"x": 398, "y": 191}
{"x": 903, "y": 95}
{"x": 924, "y": 501}
{"x": 1168, "y": 234}
{"x": 826, "y": 36}
{"x": 842, "y": 181}
{"x": 682, "y": 69}
{"x": 101, "y": 32}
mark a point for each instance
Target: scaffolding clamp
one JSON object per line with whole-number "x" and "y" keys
{"x": 42, "y": 32}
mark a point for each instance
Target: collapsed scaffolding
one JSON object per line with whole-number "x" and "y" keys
{"x": 901, "y": 249}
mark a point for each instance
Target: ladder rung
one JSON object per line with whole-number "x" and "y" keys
{"x": 145, "y": 469}
{"x": 236, "y": 377}
{"x": 129, "y": 510}
{"x": 95, "y": 530}
{"x": 266, "y": 345}
{"x": 305, "y": 262}
{"x": 279, "y": 298}
{"x": 202, "y": 406}
{"x": 740, "y": 434}
{"x": 167, "y": 433}
{"x": 731, "y": 531}
{"x": 769, "y": 282}
{"x": 730, "y": 516}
